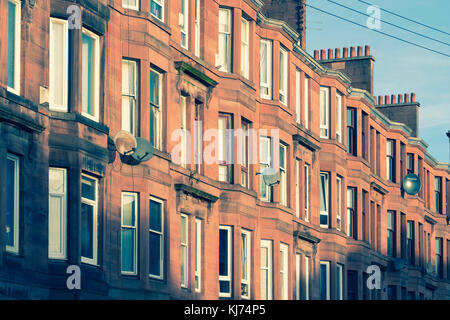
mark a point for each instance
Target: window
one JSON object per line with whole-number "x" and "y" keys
{"x": 155, "y": 108}
{"x": 89, "y": 219}
{"x": 198, "y": 137}
{"x": 184, "y": 250}
{"x": 283, "y": 76}
{"x": 130, "y": 216}
{"x": 402, "y": 162}
{"x": 245, "y": 263}
{"x": 198, "y": 255}
{"x": 339, "y": 282}
{"x": 390, "y": 160}
{"x": 410, "y": 163}
{"x": 339, "y": 117}
{"x": 306, "y": 103}
{"x": 352, "y": 285}
{"x": 14, "y": 26}
{"x": 58, "y": 65}
{"x": 297, "y": 95}
{"x": 325, "y": 280}
{"x": 391, "y": 234}
{"x": 305, "y": 288}
{"x": 245, "y": 127}
{"x": 297, "y": 188}
{"x": 130, "y": 113}
{"x": 90, "y": 75}
{"x": 439, "y": 261}
{"x": 351, "y": 212}
{"x": 306, "y": 177}
{"x": 57, "y": 213}
{"x": 266, "y": 270}
{"x": 184, "y": 23}
{"x": 130, "y": 4}
{"x": 265, "y": 161}
{"x": 283, "y": 175}
{"x": 265, "y": 69}
{"x": 156, "y": 238}
{"x": 324, "y": 199}
{"x": 364, "y": 215}
{"x": 420, "y": 174}
{"x": 410, "y": 242}
{"x": 225, "y": 41}
{"x": 298, "y": 278}
{"x": 185, "y": 133}
{"x": 225, "y": 147}
{"x": 284, "y": 288}
{"x": 325, "y": 112}
{"x": 364, "y": 141}
{"x": 438, "y": 194}
{"x": 12, "y": 204}
{"x": 245, "y": 48}
{"x": 403, "y": 233}
{"x": 157, "y": 9}
{"x": 197, "y": 27}
{"x": 225, "y": 261}
{"x": 351, "y": 131}
{"x": 339, "y": 203}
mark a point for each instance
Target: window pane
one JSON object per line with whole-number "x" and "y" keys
{"x": 87, "y": 74}
{"x": 155, "y": 254}
{"x": 88, "y": 188}
{"x": 11, "y": 43}
{"x": 154, "y": 88}
{"x": 155, "y": 216}
{"x": 128, "y": 211}
{"x": 10, "y": 201}
{"x": 57, "y": 85}
{"x": 87, "y": 228}
{"x": 55, "y": 231}
{"x": 223, "y": 252}
{"x": 128, "y": 242}
{"x": 156, "y": 8}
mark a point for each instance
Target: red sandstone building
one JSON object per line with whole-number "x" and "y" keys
{"x": 177, "y": 228}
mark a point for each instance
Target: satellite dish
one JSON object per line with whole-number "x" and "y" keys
{"x": 270, "y": 176}
{"x": 143, "y": 151}
{"x": 125, "y": 142}
{"x": 411, "y": 184}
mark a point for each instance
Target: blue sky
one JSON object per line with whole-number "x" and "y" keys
{"x": 399, "y": 67}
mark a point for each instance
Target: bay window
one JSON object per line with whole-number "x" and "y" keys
{"x": 325, "y": 112}
{"x": 156, "y": 238}
{"x": 225, "y": 40}
{"x": 14, "y": 37}
{"x": 90, "y": 75}
{"x": 12, "y": 204}
{"x": 324, "y": 199}
{"x": 265, "y": 69}
{"x": 129, "y": 250}
{"x": 89, "y": 219}
{"x": 57, "y": 213}
{"x": 225, "y": 261}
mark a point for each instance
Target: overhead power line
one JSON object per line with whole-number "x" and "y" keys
{"x": 378, "y": 31}
{"x": 411, "y": 20}
{"x": 389, "y": 23}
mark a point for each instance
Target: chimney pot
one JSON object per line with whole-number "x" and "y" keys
{"x": 413, "y": 97}
{"x": 322, "y": 54}
{"x": 380, "y": 100}
{"x": 330, "y": 53}
{"x": 406, "y": 98}
{"x": 316, "y": 54}
{"x": 360, "y": 51}
{"x": 386, "y": 99}
{"x": 345, "y": 53}
{"x": 400, "y": 98}
{"x": 352, "y": 52}
{"x": 367, "y": 50}
{"x": 337, "y": 53}
{"x": 393, "y": 98}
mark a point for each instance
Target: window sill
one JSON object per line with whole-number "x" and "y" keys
{"x": 73, "y": 116}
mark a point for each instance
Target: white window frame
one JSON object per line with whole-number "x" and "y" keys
{"x": 159, "y": 107}
{"x": 162, "y": 237}
{"x": 185, "y": 245}
{"x": 246, "y": 261}
{"x": 226, "y": 58}
{"x": 184, "y": 4}
{"x": 340, "y": 280}
{"x": 64, "y": 42}
{"x": 283, "y": 176}
{"x": 339, "y": 99}
{"x": 197, "y": 27}
{"x": 94, "y": 204}
{"x": 284, "y": 271}
{"x": 327, "y": 264}
{"x": 198, "y": 255}
{"x": 325, "y": 113}
{"x": 134, "y": 119}
{"x": 306, "y": 171}
{"x": 297, "y": 188}
{"x": 15, "y": 247}
{"x": 17, "y": 39}
{"x": 229, "y": 275}
{"x": 283, "y": 87}
{"x": 306, "y": 101}
{"x": 129, "y": 6}
{"x": 298, "y": 95}
{"x": 245, "y": 48}
{"x": 268, "y": 68}
{"x": 62, "y": 196}
{"x": 96, "y": 84}
{"x": 298, "y": 261}
{"x": 161, "y": 4}
{"x": 306, "y": 261}
{"x": 325, "y": 212}
{"x": 265, "y": 163}
{"x": 338, "y": 203}
{"x": 267, "y": 244}
{"x": 183, "y": 127}
{"x": 136, "y": 230}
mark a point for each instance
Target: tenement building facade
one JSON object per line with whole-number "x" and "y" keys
{"x": 201, "y": 79}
